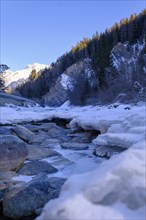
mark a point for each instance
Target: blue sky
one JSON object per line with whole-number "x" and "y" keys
{"x": 41, "y": 31}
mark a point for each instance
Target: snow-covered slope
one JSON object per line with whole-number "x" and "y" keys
{"x": 10, "y": 76}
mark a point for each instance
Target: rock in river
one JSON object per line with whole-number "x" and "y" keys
{"x": 23, "y": 133}
{"x": 26, "y": 199}
{"x": 74, "y": 146}
{"x": 107, "y": 151}
{"x": 35, "y": 167}
{"x": 13, "y": 152}
{"x": 38, "y": 153}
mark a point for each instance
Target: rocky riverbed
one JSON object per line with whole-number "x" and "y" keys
{"x": 36, "y": 159}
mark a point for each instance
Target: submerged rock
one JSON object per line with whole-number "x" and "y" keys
{"x": 13, "y": 152}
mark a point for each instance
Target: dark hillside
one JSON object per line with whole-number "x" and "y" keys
{"x": 97, "y": 49}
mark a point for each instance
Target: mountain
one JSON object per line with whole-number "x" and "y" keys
{"x": 108, "y": 67}
{"x": 13, "y": 79}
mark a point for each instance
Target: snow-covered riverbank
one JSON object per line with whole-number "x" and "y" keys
{"x": 116, "y": 189}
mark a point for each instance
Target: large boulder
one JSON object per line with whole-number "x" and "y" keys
{"x": 13, "y": 152}
{"x": 26, "y": 199}
{"x": 35, "y": 167}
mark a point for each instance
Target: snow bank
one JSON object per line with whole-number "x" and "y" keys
{"x": 103, "y": 193}
{"x": 116, "y": 189}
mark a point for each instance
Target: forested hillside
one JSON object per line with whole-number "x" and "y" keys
{"x": 97, "y": 49}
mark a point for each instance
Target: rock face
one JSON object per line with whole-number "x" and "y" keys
{"x": 26, "y": 199}
{"x": 125, "y": 80}
{"x": 72, "y": 84}
{"x": 13, "y": 152}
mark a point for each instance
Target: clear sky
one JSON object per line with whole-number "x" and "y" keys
{"x": 41, "y": 31}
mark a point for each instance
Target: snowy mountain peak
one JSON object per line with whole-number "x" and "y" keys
{"x": 37, "y": 66}
{"x": 19, "y": 75}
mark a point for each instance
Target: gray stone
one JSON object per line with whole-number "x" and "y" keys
{"x": 61, "y": 162}
{"x": 38, "y": 153}
{"x": 7, "y": 175}
{"x": 47, "y": 126}
{"x": 56, "y": 132}
{"x": 55, "y": 184}
{"x": 5, "y": 130}
{"x": 29, "y": 199}
{"x": 74, "y": 146}
{"x": 83, "y": 137}
{"x": 23, "y": 200}
{"x": 40, "y": 126}
{"x": 13, "y": 152}
{"x": 48, "y": 141}
{"x": 35, "y": 167}
{"x": 2, "y": 192}
{"x": 4, "y": 184}
{"x": 23, "y": 133}
{"x": 37, "y": 139}
{"x": 53, "y": 135}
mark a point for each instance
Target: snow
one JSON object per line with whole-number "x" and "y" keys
{"x": 23, "y": 178}
{"x": 116, "y": 188}
{"x": 66, "y": 82}
{"x": 11, "y": 76}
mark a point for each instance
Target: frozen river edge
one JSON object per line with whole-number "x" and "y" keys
{"x": 112, "y": 191}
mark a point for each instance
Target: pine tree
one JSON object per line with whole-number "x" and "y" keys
{"x": 2, "y": 84}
